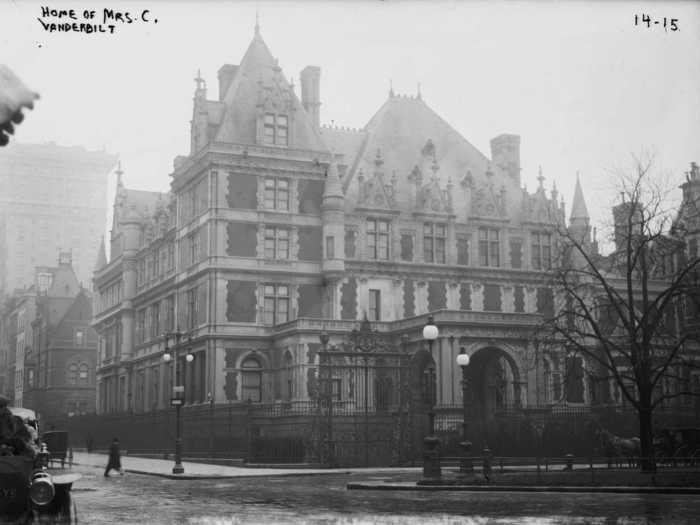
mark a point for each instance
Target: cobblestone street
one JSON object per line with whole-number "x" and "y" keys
{"x": 318, "y": 499}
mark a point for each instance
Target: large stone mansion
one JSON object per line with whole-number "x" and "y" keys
{"x": 278, "y": 229}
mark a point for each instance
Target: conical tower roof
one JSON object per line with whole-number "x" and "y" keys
{"x": 332, "y": 187}
{"x": 101, "y": 255}
{"x": 578, "y": 207}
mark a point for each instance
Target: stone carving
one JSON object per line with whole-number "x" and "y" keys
{"x": 374, "y": 192}
{"x": 487, "y": 202}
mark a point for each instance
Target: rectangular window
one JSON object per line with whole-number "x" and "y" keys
{"x": 269, "y": 135}
{"x": 330, "y": 247}
{"x": 349, "y": 244}
{"x": 276, "y": 129}
{"x": 276, "y": 243}
{"x": 692, "y": 249}
{"x": 434, "y": 242}
{"x": 489, "y": 247}
{"x": 463, "y": 251}
{"x": 171, "y": 256}
{"x": 276, "y": 194}
{"x": 193, "y": 247}
{"x": 378, "y": 239}
{"x": 192, "y": 308}
{"x": 406, "y": 247}
{"x": 276, "y": 304}
{"x": 541, "y": 251}
{"x": 155, "y": 320}
{"x": 79, "y": 337}
{"x": 374, "y": 305}
{"x": 281, "y": 135}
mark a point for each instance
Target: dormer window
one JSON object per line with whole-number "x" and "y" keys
{"x": 276, "y": 129}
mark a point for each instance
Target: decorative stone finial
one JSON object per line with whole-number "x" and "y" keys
{"x": 540, "y": 177}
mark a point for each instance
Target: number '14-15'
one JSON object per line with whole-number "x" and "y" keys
{"x": 667, "y": 23}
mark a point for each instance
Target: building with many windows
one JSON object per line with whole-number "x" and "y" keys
{"x": 47, "y": 346}
{"x": 278, "y": 231}
{"x": 52, "y": 199}
{"x": 277, "y": 227}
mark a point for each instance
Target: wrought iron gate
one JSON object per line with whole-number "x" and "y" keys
{"x": 363, "y": 409}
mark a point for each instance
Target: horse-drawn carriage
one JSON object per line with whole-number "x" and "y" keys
{"x": 677, "y": 446}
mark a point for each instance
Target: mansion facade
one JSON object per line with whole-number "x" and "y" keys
{"x": 278, "y": 230}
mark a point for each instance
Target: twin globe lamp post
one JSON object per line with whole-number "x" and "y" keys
{"x": 431, "y": 464}
{"x": 178, "y": 398}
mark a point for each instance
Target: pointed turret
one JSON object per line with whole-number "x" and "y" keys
{"x": 578, "y": 207}
{"x": 101, "y": 255}
{"x": 199, "y": 125}
{"x": 579, "y": 220}
{"x": 333, "y": 217}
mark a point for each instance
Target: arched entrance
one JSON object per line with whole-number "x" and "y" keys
{"x": 493, "y": 383}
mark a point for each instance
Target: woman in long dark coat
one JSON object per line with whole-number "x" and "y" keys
{"x": 115, "y": 461}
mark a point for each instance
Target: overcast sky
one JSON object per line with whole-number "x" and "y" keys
{"x": 579, "y": 82}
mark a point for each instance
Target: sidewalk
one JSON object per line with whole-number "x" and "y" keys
{"x": 524, "y": 488}
{"x": 164, "y": 468}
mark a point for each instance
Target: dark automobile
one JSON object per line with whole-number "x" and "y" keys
{"x": 29, "y": 493}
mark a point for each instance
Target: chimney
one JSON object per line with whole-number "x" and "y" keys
{"x": 624, "y": 229}
{"x": 310, "y": 93}
{"x": 226, "y": 74}
{"x": 505, "y": 153}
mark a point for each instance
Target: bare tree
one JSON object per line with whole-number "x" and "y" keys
{"x": 623, "y": 312}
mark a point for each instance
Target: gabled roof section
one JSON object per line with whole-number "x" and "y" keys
{"x": 259, "y": 82}
{"x": 400, "y": 129}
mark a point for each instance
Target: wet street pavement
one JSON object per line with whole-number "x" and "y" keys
{"x": 323, "y": 499}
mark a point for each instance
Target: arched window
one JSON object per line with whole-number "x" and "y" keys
{"x": 83, "y": 378}
{"x": 73, "y": 374}
{"x": 251, "y": 380}
{"x": 288, "y": 377}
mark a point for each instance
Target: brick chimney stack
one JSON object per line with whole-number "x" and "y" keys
{"x": 310, "y": 93}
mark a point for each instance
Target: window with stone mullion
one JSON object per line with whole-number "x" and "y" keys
{"x": 276, "y": 304}
{"x": 378, "y": 239}
{"x": 541, "y": 251}
{"x": 489, "y": 247}
{"x": 276, "y": 243}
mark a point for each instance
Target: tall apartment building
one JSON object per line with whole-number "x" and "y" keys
{"x": 52, "y": 199}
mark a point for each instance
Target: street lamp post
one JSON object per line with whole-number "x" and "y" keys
{"x": 466, "y": 465}
{"x": 431, "y": 453}
{"x": 328, "y": 393}
{"x": 178, "y": 393}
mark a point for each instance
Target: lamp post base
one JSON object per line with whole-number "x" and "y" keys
{"x": 178, "y": 469}
{"x": 431, "y": 458}
{"x": 466, "y": 467}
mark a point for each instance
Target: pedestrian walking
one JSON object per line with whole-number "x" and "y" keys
{"x": 115, "y": 461}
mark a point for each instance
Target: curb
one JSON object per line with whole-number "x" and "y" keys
{"x": 528, "y": 488}
{"x": 218, "y": 476}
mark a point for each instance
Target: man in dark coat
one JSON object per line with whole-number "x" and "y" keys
{"x": 115, "y": 461}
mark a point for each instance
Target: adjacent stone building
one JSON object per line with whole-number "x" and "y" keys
{"x": 47, "y": 346}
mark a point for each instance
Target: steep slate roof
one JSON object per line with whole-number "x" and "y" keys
{"x": 143, "y": 202}
{"x": 400, "y": 129}
{"x": 259, "y": 71}
{"x": 348, "y": 142}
